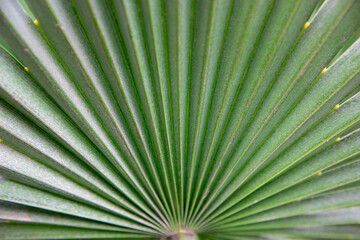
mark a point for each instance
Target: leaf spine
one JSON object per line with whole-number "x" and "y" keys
{"x": 306, "y": 25}
{"x": 324, "y": 71}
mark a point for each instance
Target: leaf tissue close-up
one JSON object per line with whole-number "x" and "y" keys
{"x": 180, "y": 119}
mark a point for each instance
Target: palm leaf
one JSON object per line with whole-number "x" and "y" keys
{"x": 179, "y": 119}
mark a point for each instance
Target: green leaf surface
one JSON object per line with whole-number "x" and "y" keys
{"x": 179, "y": 119}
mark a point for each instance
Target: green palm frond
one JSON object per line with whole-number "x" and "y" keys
{"x": 171, "y": 119}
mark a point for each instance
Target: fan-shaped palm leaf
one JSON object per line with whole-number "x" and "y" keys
{"x": 203, "y": 119}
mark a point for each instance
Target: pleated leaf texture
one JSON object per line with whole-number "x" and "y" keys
{"x": 179, "y": 119}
